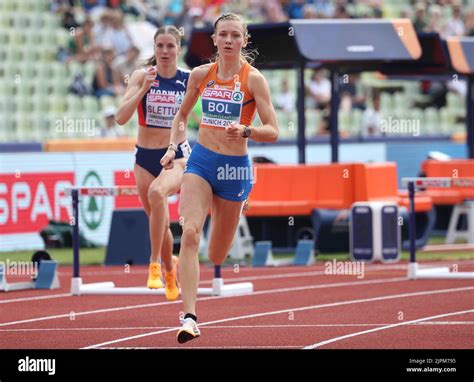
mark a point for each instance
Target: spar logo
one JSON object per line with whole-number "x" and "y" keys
{"x": 92, "y": 207}
{"x": 217, "y": 94}
{"x": 162, "y": 98}
{"x": 28, "y": 201}
{"x": 237, "y": 96}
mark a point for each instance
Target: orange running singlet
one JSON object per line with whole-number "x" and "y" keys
{"x": 224, "y": 102}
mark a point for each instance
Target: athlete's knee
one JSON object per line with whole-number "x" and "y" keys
{"x": 190, "y": 237}
{"x": 215, "y": 257}
{"x": 157, "y": 196}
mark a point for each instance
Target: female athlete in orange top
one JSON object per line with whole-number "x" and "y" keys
{"x": 218, "y": 173}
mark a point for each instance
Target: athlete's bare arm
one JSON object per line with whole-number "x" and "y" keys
{"x": 140, "y": 82}
{"x": 260, "y": 90}
{"x": 180, "y": 121}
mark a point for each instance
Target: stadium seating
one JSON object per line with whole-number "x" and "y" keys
{"x": 31, "y": 33}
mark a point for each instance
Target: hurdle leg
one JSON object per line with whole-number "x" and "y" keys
{"x": 76, "y": 281}
{"x": 220, "y": 289}
{"x": 412, "y": 266}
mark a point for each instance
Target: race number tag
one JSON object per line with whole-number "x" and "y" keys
{"x": 221, "y": 107}
{"x": 161, "y": 109}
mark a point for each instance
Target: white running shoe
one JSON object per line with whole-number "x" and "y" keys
{"x": 188, "y": 331}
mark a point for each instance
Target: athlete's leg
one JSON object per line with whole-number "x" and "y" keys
{"x": 224, "y": 222}
{"x": 195, "y": 200}
{"x": 143, "y": 179}
{"x": 167, "y": 183}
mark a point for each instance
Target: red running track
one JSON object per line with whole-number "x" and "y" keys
{"x": 292, "y": 307}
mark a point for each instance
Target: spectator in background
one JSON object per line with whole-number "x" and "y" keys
{"x": 436, "y": 90}
{"x": 325, "y": 8}
{"x": 152, "y": 12}
{"x": 372, "y": 118}
{"x": 420, "y": 17}
{"x": 274, "y": 12}
{"x": 127, "y": 64}
{"x": 320, "y": 89}
{"x": 406, "y": 13}
{"x": 285, "y": 100}
{"x": 119, "y": 38}
{"x": 377, "y": 11}
{"x": 107, "y": 79}
{"x": 435, "y": 23}
{"x": 82, "y": 45}
{"x": 103, "y": 29}
{"x": 352, "y": 93}
{"x": 173, "y": 10}
{"x": 93, "y": 6}
{"x": 469, "y": 23}
{"x": 455, "y": 26}
{"x": 341, "y": 12}
{"x": 459, "y": 86}
{"x": 294, "y": 9}
{"x": 310, "y": 12}
{"x": 61, "y": 5}
{"x": 191, "y": 17}
{"x": 66, "y": 9}
{"x": 110, "y": 128}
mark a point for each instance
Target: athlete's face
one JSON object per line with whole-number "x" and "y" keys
{"x": 166, "y": 49}
{"x": 229, "y": 38}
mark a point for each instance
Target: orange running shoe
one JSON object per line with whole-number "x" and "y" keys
{"x": 154, "y": 276}
{"x": 171, "y": 281}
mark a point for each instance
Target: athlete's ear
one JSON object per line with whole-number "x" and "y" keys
{"x": 213, "y": 36}
{"x": 246, "y": 41}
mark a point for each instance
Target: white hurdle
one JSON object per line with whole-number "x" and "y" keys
{"x": 78, "y": 288}
{"x": 415, "y": 271}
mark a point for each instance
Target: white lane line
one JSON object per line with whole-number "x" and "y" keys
{"x": 297, "y": 274}
{"x": 204, "y": 347}
{"x": 292, "y": 274}
{"x": 311, "y": 307}
{"x": 206, "y": 282}
{"x": 204, "y": 269}
{"x": 235, "y": 279}
{"x": 33, "y": 298}
{"x": 296, "y": 326}
{"x": 340, "y": 338}
{"x": 257, "y": 293}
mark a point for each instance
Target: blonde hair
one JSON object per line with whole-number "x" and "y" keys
{"x": 167, "y": 29}
{"x": 248, "y": 55}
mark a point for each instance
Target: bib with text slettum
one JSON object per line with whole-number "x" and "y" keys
{"x": 221, "y": 106}
{"x": 161, "y": 108}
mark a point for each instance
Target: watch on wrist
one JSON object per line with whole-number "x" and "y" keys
{"x": 247, "y": 132}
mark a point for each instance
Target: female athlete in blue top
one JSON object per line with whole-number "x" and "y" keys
{"x": 156, "y": 93}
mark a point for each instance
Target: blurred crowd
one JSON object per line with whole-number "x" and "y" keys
{"x": 99, "y": 34}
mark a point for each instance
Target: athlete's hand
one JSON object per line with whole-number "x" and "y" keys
{"x": 167, "y": 159}
{"x": 234, "y": 131}
{"x": 150, "y": 77}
